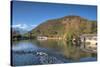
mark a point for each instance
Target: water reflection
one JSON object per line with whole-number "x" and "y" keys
{"x": 57, "y": 52}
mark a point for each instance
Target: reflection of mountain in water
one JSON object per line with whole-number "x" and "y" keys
{"x": 69, "y": 51}
{"x": 48, "y": 52}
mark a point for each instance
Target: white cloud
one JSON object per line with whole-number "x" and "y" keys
{"x": 24, "y": 26}
{"x": 18, "y": 25}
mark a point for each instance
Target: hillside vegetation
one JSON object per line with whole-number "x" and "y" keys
{"x": 64, "y": 27}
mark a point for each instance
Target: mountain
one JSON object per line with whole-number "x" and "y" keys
{"x": 19, "y": 30}
{"x": 14, "y": 32}
{"x": 64, "y": 26}
{"x": 17, "y": 33}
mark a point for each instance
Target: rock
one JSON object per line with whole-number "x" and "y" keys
{"x": 41, "y": 53}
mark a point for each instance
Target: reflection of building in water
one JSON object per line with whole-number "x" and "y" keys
{"x": 89, "y": 41}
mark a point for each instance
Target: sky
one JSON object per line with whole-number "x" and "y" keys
{"x": 28, "y": 15}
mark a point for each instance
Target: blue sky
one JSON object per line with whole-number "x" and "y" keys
{"x": 31, "y": 14}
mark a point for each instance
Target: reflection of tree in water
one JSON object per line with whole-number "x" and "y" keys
{"x": 61, "y": 47}
{"x": 69, "y": 51}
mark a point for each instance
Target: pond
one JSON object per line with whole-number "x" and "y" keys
{"x": 37, "y": 52}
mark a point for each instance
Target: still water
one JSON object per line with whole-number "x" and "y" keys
{"x": 34, "y": 52}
